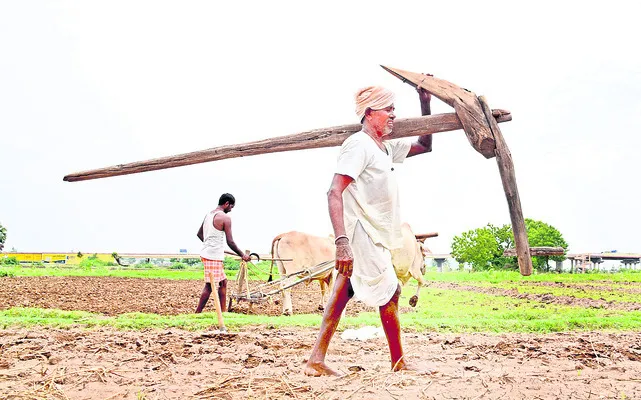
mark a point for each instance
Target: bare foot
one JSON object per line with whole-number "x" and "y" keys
{"x": 319, "y": 369}
{"x": 418, "y": 369}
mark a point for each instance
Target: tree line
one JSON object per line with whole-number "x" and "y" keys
{"x": 3, "y": 236}
{"x": 482, "y": 248}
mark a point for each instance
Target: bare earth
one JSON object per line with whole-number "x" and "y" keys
{"x": 263, "y": 363}
{"x": 113, "y": 296}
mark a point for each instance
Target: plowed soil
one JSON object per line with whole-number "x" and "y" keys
{"x": 264, "y": 363}
{"x": 113, "y": 296}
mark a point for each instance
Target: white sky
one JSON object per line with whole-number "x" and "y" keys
{"x": 86, "y": 84}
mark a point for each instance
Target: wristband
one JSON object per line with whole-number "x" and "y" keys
{"x": 341, "y": 237}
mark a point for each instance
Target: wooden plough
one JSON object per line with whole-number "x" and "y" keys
{"x": 472, "y": 114}
{"x": 265, "y": 291}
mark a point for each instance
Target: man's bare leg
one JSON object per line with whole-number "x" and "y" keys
{"x": 204, "y": 296}
{"x": 222, "y": 295}
{"x": 392, "y": 328}
{"x": 337, "y": 301}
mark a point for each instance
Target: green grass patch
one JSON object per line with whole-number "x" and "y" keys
{"x": 184, "y": 272}
{"x": 26, "y": 317}
{"x": 460, "y": 311}
{"x": 617, "y": 294}
{"x": 104, "y": 271}
{"x": 513, "y": 276}
{"x": 438, "y": 310}
{"x": 261, "y": 272}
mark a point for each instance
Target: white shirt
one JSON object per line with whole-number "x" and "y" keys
{"x": 372, "y": 198}
{"x": 214, "y": 243}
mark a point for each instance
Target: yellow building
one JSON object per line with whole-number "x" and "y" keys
{"x": 25, "y": 257}
{"x": 57, "y": 258}
{"x": 74, "y": 259}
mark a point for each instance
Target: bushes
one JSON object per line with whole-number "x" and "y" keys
{"x": 9, "y": 261}
{"x": 188, "y": 261}
{"x": 178, "y": 265}
{"x": 5, "y": 273}
{"x": 231, "y": 264}
{"x": 93, "y": 262}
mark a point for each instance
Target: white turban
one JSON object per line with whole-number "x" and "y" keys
{"x": 374, "y": 97}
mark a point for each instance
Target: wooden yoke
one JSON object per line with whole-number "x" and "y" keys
{"x": 483, "y": 133}
{"x": 317, "y": 138}
{"x": 472, "y": 115}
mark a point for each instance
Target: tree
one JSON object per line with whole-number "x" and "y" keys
{"x": 483, "y": 248}
{"x": 3, "y": 236}
{"x": 541, "y": 234}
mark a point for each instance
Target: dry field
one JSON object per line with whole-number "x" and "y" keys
{"x": 266, "y": 363}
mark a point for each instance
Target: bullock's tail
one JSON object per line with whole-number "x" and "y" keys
{"x": 274, "y": 244}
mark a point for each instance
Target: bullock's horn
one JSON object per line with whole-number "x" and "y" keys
{"x": 423, "y": 236}
{"x": 257, "y": 256}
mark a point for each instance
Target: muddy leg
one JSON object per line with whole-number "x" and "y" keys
{"x": 392, "y": 328}
{"x": 337, "y": 301}
{"x": 204, "y": 296}
{"x": 222, "y": 294}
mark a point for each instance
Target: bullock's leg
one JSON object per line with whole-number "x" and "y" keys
{"x": 286, "y": 295}
{"x": 287, "y": 302}
{"x": 337, "y": 301}
{"x": 420, "y": 284}
{"x": 325, "y": 284}
{"x": 414, "y": 299}
{"x": 323, "y": 288}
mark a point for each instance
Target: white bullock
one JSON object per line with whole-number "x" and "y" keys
{"x": 409, "y": 260}
{"x": 308, "y": 251}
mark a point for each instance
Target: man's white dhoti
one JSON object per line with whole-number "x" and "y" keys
{"x": 371, "y": 214}
{"x": 373, "y": 279}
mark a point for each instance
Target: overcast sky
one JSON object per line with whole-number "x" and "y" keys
{"x": 87, "y": 84}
